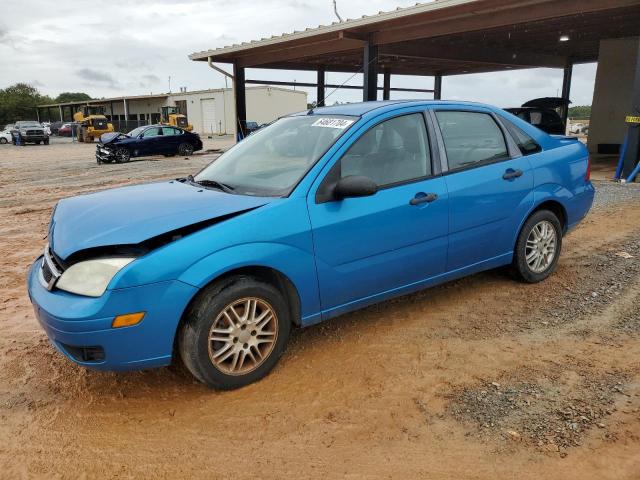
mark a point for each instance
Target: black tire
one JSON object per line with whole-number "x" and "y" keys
{"x": 122, "y": 155}
{"x": 169, "y": 155}
{"x": 38, "y": 142}
{"x": 46, "y": 142}
{"x": 522, "y": 270}
{"x": 193, "y": 338}
{"x": 3, "y": 140}
{"x": 185, "y": 149}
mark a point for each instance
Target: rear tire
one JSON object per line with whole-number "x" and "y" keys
{"x": 538, "y": 247}
{"x": 185, "y": 149}
{"x": 3, "y": 141}
{"x": 235, "y": 332}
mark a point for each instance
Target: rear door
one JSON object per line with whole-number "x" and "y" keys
{"x": 371, "y": 246}
{"x": 490, "y": 186}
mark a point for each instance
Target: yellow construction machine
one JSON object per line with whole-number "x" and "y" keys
{"x": 91, "y": 123}
{"x": 172, "y": 116}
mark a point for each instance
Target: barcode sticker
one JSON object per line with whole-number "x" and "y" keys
{"x": 339, "y": 123}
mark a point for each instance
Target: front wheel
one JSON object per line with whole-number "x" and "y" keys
{"x": 234, "y": 333}
{"x": 538, "y": 247}
{"x": 3, "y": 140}
{"x": 185, "y": 149}
{"x": 122, "y": 155}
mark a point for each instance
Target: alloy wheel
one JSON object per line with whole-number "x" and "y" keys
{"x": 243, "y": 336}
{"x": 540, "y": 249}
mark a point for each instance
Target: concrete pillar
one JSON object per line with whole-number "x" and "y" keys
{"x": 60, "y": 111}
{"x": 240, "y": 98}
{"x": 616, "y": 95}
{"x": 126, "y": 110}
{"x": 437, "y": 87}
{"x": 320, "y": 88}
{"x": 370, "y": 70}
{"x": 386, "y": 86}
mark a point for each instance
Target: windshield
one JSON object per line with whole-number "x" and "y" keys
{"x": 271, "y": 161}
{"x": 29, "y": 124}
{"x": 136, "y": 131}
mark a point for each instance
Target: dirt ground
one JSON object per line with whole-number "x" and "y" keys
{"x": 482, "y": 378}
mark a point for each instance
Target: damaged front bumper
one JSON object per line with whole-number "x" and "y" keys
{"x": 104, "y": 154}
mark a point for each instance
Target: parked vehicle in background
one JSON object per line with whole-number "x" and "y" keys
{"x": 29, "y": 132}
{"x": 542, "y": 113}
{"x": 146, "y": 141}
{"x": 253, "y": 127}
{"x": 5, "y": 136}
{"x": 68, "y": 129}
{"x": 577, "y": 128}
{"x": 55, "y": 126}
{"x": 46, "y": 127}
{"x": 313, "y": 216}
{"x": 92, "y": 123}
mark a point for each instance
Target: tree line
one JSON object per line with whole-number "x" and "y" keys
{"x": 18, "y": 102}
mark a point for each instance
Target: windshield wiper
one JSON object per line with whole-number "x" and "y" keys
{"x": 211, "y": 183}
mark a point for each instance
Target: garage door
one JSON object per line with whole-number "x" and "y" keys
{"x": 209, "y": 124}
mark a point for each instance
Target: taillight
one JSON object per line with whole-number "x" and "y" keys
{"x": 587, "y": 176}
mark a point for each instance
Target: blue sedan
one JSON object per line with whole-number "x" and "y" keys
{"x": 316, "y": 215}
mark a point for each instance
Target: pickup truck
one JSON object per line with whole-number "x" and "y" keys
{"x": 29, "y": 131}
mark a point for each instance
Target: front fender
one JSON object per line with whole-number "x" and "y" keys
{"x": 296, "y": 264}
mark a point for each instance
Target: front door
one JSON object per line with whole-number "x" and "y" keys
{"x": 150, "y": 143}
{"x": 368, "y": 247}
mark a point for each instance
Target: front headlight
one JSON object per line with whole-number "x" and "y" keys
{"x": 91, "y": 277}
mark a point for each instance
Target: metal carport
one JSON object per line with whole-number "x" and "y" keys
{"x": 443, "y": 38}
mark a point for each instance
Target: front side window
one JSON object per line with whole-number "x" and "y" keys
{"x": 272, "y": 161}
{"x": 471, "y": 138}
{"x": 393, "y": 151}
{"x": 152, "y": 132}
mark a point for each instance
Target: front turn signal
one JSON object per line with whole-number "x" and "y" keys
{"x": 127, "y": 320}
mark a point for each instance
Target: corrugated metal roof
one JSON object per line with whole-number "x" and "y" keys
{"x": 365, "y": 20}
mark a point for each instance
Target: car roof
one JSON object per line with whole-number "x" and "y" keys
{"x": 362, "y": 108}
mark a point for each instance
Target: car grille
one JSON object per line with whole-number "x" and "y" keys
{"x": 50, "y": 269}
{"x": 35, "y": 133}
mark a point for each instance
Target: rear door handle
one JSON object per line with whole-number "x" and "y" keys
{"x": 421, "y": 198}
{"x": 511, "y": 174}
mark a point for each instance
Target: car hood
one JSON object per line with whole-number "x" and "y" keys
{"x": 131, "y": 215}
{"x": 111, "y": 137}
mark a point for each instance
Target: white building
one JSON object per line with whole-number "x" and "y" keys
{"x": 209, "y": 111}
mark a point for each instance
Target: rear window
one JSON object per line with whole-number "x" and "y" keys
{"x": 526, "y": 144}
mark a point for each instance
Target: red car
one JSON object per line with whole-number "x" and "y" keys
{"x": 65, "y": 130}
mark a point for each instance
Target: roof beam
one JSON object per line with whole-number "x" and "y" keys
{"x": 474, "y": 55}
{"x": 492, "y": 18}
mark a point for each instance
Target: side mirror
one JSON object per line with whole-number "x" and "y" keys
{"x": 354, "y": 186}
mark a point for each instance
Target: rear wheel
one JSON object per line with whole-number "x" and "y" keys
{"x": 3, "y": 140}
{"x": 235, "y": 333}
{"x": 122, "y": 155}
{"x": 538, "y": 247}
{"x": 185, "y": 149}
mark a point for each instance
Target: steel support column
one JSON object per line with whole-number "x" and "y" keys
{"x": 240, "y": 98}
{"x": 321, "y": 86}
{"x": 437, "y": 87}
{"x": 386, "y": 85}
{"x": 370, "y": 71}
{"x": 632, "y": 153}
{"x": 566, "y": 90}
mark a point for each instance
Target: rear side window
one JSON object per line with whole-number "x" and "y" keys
{"x": 526, "y": 144}
{"x": 471, "y": 138}
{"x": 170, "y": 131}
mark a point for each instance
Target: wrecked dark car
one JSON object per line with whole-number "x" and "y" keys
{"x": 543, "y": 113}
{"x": 116, "y": 147}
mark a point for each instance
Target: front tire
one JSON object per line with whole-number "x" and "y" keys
{"x": 235, "y": 332}
{"x": 122, "y": 155}
{"x": 3, "y": 140}
{"x": 538, "y": 247}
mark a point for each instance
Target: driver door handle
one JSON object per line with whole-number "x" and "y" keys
{"x": 511, "y": 174}
{"x": 421, "y": 198}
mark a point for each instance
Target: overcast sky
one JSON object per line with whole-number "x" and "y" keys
{"x": 124, "y": 47}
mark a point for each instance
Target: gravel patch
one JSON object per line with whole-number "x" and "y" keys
{"x": 610, "y": 193}
{"x": 550, "y": 414}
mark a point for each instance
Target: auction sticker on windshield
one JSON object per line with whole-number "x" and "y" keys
{"x": 340, "y": 123}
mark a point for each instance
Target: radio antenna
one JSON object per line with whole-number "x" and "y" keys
{"x": 335, "y": 10}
